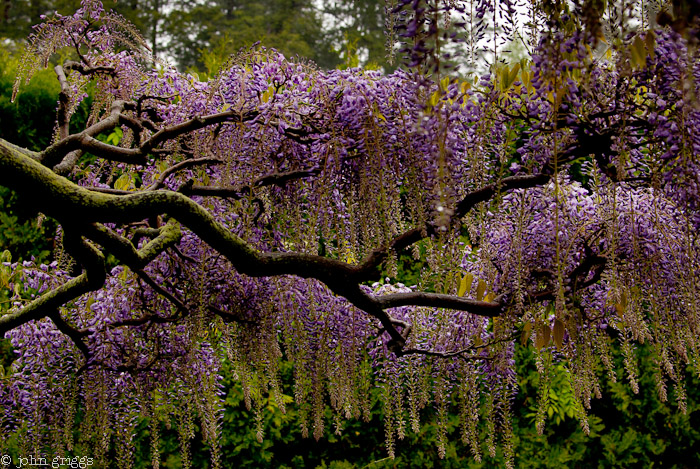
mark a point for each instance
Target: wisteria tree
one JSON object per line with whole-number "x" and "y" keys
{"x": 269, "y": 214}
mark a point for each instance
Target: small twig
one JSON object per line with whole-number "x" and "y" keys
{"x": 75, "y": 335}
{"x": 63, "y": 120}
{"x": 460, "y": 353}
{"x": 228, "y": 317}
{"x": 181, "y": 165}
{"x": 86, "y": 70}
{"x": 183, "y": 255}
{"x": 144, "y": 232}
{"x": 439, "y": 300}
{"x": 162, "y": 291}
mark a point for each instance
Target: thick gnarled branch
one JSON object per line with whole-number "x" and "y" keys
{"x": 488, "y": 309}
{"x": 91, "y": 279}
{"x": 46, "y": 304}
{"x": 368, "y": 268}
{"x": 60, "y": 198}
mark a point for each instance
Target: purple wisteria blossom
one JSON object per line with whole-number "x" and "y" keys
{"x": 271, "y": 213}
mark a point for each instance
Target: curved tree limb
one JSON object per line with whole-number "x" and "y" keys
{"x": 136, "y": 259}
{"x": 66, "y": 202}
{"x": 70, "y": 203}
{"x": 62, "y": 119}
{"x": 370, "y": 264}
{"x": 193, "y": 124}
{"x": 46, "y": 304}
{"x": 481, "y": 308}
{"x": 485, "y": 193}
{"x": 75, "y": 335}
{"x": 182, "y": 165}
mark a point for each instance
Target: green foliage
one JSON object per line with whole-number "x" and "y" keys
{"x": 561, "y": 403}
{"x": 359, "y": 25}
{"x": 18, "y": 16}
{"x": 626, "y": 430}
{"x": 282, "y": 445}
{"x": 201, "y": 34}
{"x": 21, "y": 233}
{"x": 29, "y": 121}
{"x": 198, "y": 34}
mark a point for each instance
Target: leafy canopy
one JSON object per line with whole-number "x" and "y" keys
{"x": 267, "y": 213}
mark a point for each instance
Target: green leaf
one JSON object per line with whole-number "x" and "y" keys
{"x": 466, "y": 284}
{"x": 527, "y": 327}
{"x": 638, "y": 53}
{"x": 508, "y": 76}
{"x": 445, "y": 83}
{"x": 558, "y": 333}
{"x": 480, "y": 290}
{"x": 115, "y": 137}
{"x": 650, "y": 42}
{"x": 162, "y": 166}
{"x": 542, "y": 338}
{"x": 434, "y": 98}
{"x": 124, "y": 182}
{"x": 513, "y": 74}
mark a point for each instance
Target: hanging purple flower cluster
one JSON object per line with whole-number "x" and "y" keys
{"x": 245, "y": 220}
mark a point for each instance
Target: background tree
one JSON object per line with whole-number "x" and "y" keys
{"x": 18, "y": 16}
{"x": 192, "y": 33}
{"x": 291, "y": 26}
{"x": 363, "y": 26}
{"x": 150, "y": 18}
{"x": 553, "y": 204}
